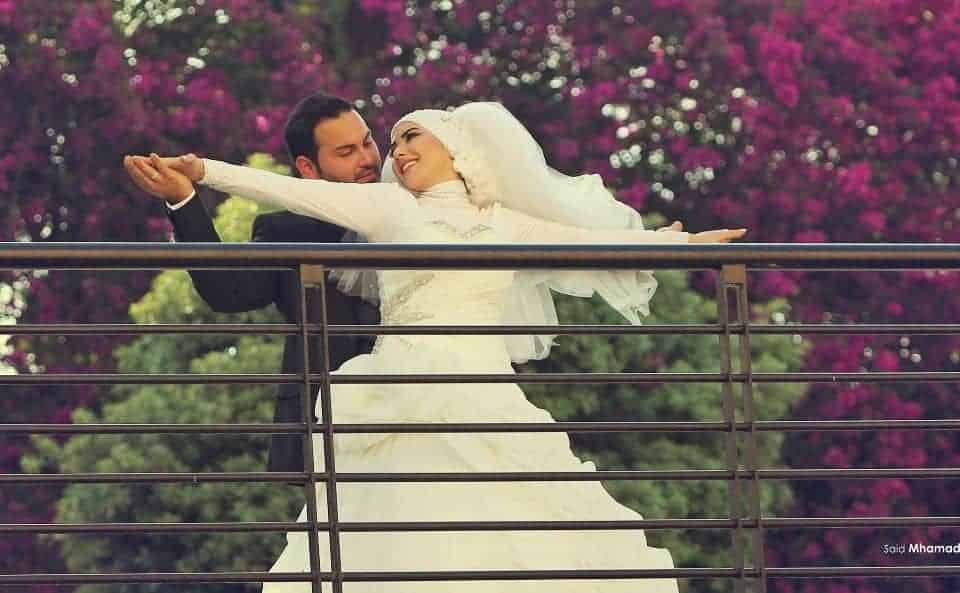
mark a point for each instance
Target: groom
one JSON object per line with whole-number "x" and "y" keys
{"x": 327, "y": 139}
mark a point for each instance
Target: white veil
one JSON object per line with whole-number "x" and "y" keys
{"x": 501, "y": 162}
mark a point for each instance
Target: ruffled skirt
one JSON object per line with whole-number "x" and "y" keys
{"x": 463, "y": 501}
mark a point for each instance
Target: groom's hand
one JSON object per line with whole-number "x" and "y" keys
{"x": 157, "y": 179}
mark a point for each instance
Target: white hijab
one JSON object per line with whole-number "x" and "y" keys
{"x": 500, "y": 162}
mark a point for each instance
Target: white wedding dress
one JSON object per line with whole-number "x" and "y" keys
{"x": 410, "y": 297}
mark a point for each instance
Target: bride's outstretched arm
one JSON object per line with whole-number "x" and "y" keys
{"x": 363, "y": 207}
{"x": 528, "y": 229}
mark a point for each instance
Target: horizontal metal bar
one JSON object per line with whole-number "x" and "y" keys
{"x": 478, "y": 378}
{"x": 101, "y": 329}
{"x": 104, "y": 329}
{"x": 511, "y": 575}
{"x": 125, "y": 528}
{"x": 652, "y": 524}
{"x": 851, "y": 425}
{"x": 284, "y": 378}
{"x": 546, "y": 476}
{"x": 299, "y": 477}
{"x": 851, "y": 377}
{"x": 858, "y": 522}
{"x": 858, "y": 329}
{"x": 650, "y": 426}
{"x": 524, "y": 427}
{"x": 538, "y": 525}
{"x": 157, "y": 577}
{"x": 407, "y": 526}
{"x": 126, "y": 329}
{"x": 155, "y": 478}
{"x": 858, "y": 473}
{"x": 485, "y": 427}
{"x": 686, "y": 474}
{"x": 481, "y": 256}
{"x": 150, "y": 379}
{"x": 646, "y": 426}
{"x": 813, "y": 572}
{"x": 538, "y": 575}
{"x": 368, "y": 577}
{"x": 313, "y": 328}
{"x": 368, "y": 527}
{"x": 287, "y": 428}
{"x": 239, "y": 428}
{"x": 356, "y": 379}
{"x": 677, "y": 329}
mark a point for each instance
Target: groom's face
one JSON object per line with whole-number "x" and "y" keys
{"x": 346, "y": 151}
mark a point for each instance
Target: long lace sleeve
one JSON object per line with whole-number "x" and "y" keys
{"x": 528, "y": 229}
{"x": 363, "y": 207}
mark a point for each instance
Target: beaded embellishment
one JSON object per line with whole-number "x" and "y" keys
{"x": 467, "y": 234}
{"x": 403, "y": 295}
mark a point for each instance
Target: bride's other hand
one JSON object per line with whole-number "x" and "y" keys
{"x": 169, "y": 185}
{"x": 717, "y": 236}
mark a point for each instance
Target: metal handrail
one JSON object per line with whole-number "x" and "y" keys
{"x": 818, "y": 256}
{"x": 745, "y": 520}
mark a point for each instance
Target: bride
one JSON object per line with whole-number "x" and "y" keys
{"x": 473, "y": 175}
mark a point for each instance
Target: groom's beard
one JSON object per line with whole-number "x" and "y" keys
{"x": 368, "y": 175}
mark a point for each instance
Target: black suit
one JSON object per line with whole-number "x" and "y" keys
{"x": 231, "y": 291}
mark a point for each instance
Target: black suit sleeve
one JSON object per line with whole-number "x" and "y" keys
{"x": 226, "y": 291}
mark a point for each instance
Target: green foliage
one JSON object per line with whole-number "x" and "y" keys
{"x": 674, "y": 303}
{"x": 172, "y": 299}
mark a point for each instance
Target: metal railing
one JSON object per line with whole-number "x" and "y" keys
{"x": 746, "y": 523}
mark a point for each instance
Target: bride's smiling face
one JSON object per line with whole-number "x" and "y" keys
{"x": 420, "y": 160}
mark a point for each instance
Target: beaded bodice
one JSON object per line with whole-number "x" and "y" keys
{"x": 443, "y": 296}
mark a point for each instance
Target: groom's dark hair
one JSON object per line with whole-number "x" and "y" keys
{"x": 310, "y": 111}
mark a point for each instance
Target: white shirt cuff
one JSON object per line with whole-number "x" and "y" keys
{"x": 181, "y": 203}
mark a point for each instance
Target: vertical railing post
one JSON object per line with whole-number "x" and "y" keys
{"x": 310, "y": 486}
{"x": 329, "y": 465}
{"x": 737, "y": 281}
{"x": 728, "y": 278}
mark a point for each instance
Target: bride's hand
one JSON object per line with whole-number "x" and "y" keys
{"x": 717, "y": 236}
{"x": 188, "y": 164}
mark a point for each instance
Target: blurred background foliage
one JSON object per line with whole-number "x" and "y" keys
{"x": 809, "y": 121}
